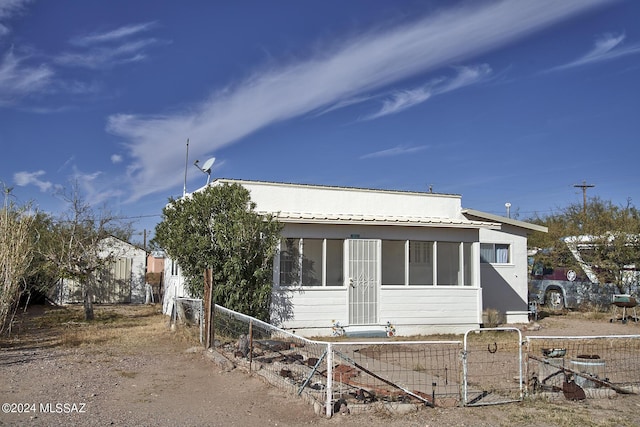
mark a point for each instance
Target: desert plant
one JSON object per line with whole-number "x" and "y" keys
{"x": 16, "y": 253}
{"x": 492, "y": 318}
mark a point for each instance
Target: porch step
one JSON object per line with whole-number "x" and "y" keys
{"x": 368, "y": 331}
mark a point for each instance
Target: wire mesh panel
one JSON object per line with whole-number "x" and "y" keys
{"x": 285, "y": 360}
{"x": 492, "y": 366}
{"x": 188, "y": 312}
{"x": 598, "y": 365}
{"x": 423, "y": 372}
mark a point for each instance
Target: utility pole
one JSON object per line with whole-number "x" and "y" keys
{"x": 584, "y": 187}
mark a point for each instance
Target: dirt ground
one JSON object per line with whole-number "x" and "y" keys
{"x": 128, "y": 368}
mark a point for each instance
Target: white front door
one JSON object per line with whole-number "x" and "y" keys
{"x": 364, "y": 280}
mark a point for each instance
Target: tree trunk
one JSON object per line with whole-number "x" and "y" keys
{"x": 88, "y": 303}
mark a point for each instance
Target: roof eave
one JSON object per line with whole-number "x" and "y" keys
{"x": 505, "y": 220}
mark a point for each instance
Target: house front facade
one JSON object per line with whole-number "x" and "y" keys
{"x": 353, "y": 259}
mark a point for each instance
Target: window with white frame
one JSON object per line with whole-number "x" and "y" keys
{"x": 311, "y": 262}
{"x": 448, "y": 264}
{"x": 427, "y": 263}
{"x": 420, "y": 263}
{"x": 494, "y": 253}
{"x": 174, "y": 268}
{"x": 393, "y": 262}
{"x": 334, "y": 256}
{"x": 289, "y": 262}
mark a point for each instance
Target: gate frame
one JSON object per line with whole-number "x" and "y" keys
{"x": 465, "y": 388}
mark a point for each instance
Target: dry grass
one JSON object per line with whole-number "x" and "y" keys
{"x": 125, "y": 327}
{"x": 545, "y": 413}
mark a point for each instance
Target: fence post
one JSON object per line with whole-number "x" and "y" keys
{"x": 250, "y": 343}
{"x": 329, "y": 404}
{"x": 207, "y": 309}
{"x": 212, "y": 314}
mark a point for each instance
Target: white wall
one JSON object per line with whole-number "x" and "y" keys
{"x": 276, "y": 197}
{"x": 173, "y": 287}
{"x": 505, "y": 286}
{"x": 412, "y": 310}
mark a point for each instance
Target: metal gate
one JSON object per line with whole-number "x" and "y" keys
{"x": 364, "y": 274}
{"x": 492, "y": 366}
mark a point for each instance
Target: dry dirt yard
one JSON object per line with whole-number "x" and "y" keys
{"x": 128, "y": 369}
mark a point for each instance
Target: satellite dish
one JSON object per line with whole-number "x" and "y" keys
{"x": 206, "y": 167}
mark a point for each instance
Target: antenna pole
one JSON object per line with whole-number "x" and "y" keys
{"x": 584, "y": 187}
{"x": 184, "y": 189}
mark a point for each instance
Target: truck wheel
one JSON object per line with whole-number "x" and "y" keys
{"x": 554, "y": 300}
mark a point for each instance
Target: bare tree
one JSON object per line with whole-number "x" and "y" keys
{"x": 76, "y": 249}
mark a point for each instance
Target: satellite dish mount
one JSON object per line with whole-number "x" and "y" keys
{"x": 206, "y": 167}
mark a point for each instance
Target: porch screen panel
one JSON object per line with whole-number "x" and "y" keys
{"x": 289, "y": 261}
{"x": 420, "y": 263}
{"x": 393, "y": 262}
{"x": 448, "y": 263}
{"x": 335, "y": 262}
{"x": 363, "y": 289}
{"x": 467, "y": 264}
{"x": 312, "y": 262}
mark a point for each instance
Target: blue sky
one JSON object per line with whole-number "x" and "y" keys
{"x": 499, "y": 102}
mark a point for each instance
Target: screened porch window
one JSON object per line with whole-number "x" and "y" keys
{"x": 289, "y": 262}
{"x": 335, "y": 259}
{"x": 311, "y": 262}
{"x": 420, "y": 263}
{"x": 494, "y": 253}
{"x": 393, "y": 262}
{"x": 448, "y": 263}
{"x": 427, "y": 263}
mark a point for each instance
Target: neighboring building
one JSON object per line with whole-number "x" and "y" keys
{"x": 155, "y": 274}
{"x": 363, "y": 259}
{"x": 123, "y": 281}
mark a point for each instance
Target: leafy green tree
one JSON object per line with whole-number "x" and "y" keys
{"x": 218, "y": 228}
{"x": 609, "y": 242}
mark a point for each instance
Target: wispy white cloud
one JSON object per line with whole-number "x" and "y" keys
{"x": 106, "y": 49}
{"x": 401, "y": 100}
{"x": 8, "y": 9}
{"x": 395, "y": 151}
{"x": 18, "y": 80}
{"x": 404, "y": 99}
{"x": 607, "y": 47}
{"x": 24, "y": 178}
{"x": 113, "y": 35}
{"x": 359, "y": 65}
{"x": 96, "y": 187}
{"x": 116, "y": 158}
{"x": 98, "y": 57}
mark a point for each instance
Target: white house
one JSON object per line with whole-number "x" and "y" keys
{"x": 122, "y": 281}
{"x": 364, "y": 259}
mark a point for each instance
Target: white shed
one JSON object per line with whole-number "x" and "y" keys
{"x": 364, "y": 260}
{"x": 122, "y": 281}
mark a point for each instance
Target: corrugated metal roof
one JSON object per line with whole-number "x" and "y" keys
{"x": 319, "y": 218}
{"x": 505, "y": 220}
{"x": 331, "y": 187}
